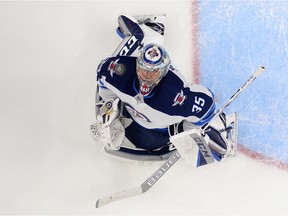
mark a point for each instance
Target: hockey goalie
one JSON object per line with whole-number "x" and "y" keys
{"x": 145, "y": 109}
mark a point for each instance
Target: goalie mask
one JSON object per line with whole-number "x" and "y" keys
{"x": 152, "y": 66}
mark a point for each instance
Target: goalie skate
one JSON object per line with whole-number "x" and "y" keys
{"x": 159, "y": 18}
{"x": 154, "y": 22}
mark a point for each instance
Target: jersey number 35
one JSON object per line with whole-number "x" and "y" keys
{"x": 199, "y": 103}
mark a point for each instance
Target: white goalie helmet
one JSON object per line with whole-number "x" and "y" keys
{"x": 152, "y": 65}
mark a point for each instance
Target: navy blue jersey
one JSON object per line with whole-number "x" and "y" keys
{"x": 171, "y": 101}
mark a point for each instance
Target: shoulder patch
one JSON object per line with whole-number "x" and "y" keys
{"x": 117, "y": 68}
{"x": 179, "y": 99}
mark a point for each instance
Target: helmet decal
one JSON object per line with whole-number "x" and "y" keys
{"x": 153, "y": 55}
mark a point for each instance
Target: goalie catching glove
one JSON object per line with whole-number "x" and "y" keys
{"x": 108, "y": 129}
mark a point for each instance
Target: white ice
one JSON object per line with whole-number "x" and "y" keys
{"x": 49, "y": 164}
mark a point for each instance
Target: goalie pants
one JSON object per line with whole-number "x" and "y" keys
{"x": 149, "y": 139}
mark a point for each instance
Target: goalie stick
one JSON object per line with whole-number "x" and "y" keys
{"x": 145, "y": 186}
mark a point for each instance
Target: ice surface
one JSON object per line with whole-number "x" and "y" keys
{"x": 49, "y": 164}
{"x": 246, "y": 35}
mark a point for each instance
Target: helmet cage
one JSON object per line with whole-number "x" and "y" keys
{"x": 152, "y": 66}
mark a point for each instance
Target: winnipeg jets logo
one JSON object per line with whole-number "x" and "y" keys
{"x": 153, "y": 54}
{"x": 179, "y": 99}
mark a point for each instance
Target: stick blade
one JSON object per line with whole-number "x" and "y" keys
{"x": 117, "y": 196}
